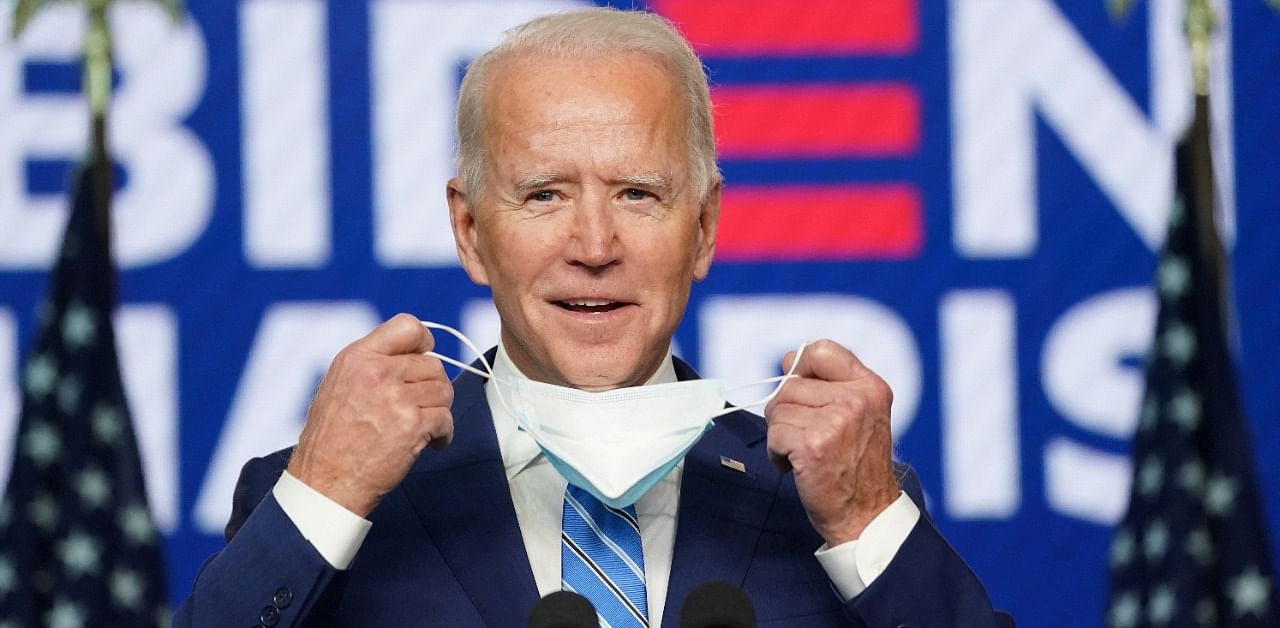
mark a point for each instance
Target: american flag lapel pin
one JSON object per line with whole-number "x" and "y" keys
{"x": 730, "y": 463}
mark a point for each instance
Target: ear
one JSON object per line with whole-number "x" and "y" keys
{"x": 708, "y": 220}
{"x": 463, "y": 219}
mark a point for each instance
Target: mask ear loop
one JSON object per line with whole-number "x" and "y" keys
{"x": 467, "y": 343}
{"x": 781, "y": 379}
{"x": 487, "y": 373}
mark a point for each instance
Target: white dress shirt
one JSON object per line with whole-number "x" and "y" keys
{"x": 537, "y": 491}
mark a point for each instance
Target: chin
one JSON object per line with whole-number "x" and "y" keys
{"x": 605, "y": 368}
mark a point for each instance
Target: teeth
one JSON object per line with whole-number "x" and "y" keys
{"x": 588, "y": 302}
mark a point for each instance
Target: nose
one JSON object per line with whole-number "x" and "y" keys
{"x": 594, "y": 240}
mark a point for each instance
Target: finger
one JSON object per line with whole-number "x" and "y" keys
{"x": 794, "y": 431}
{"x": 782, "y": 440}
{"x": 432, "y": 393}
{"x": 402, "y": 334}
{"x": 787, "y": 424}
{"x": 415, "y": 367}
{"x": 807, "y": 391}
{"x": 826, "y": 359}
{"x": 440, "y": 426}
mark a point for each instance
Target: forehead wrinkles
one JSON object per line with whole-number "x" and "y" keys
{"x": 548, "y": 101}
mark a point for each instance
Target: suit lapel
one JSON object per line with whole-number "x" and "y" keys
{"x": 722, "y": 510}
{"x": 464, "y": 502}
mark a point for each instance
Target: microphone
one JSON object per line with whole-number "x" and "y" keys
{"x": 717, "y": 604}
{"x": 563, "y": 609}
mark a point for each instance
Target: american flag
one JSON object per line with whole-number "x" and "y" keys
{"x": 1192, "y": 550}
{"x": 77, "y": 544}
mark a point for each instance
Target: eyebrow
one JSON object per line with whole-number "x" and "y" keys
{"x": 652, "y": 180}
{"x": 536, "y": 180}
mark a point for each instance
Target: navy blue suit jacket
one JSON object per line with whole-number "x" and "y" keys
{"x": 445, "y": 548}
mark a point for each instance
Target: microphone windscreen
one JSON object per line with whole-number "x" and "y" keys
{"x": 563, "y": 609}
{"x": 717, "y": 604}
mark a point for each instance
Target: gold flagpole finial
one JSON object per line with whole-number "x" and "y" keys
{"x": 1200, "y": 23}
{"x": 97, "y": 44}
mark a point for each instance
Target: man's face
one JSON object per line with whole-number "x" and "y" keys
{"x": 589, "y": 229}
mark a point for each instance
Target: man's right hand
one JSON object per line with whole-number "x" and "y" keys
{"x": 381, "y": 403}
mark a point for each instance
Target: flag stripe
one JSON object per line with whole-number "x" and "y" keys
{"x": 781, "y": 27}
{"x": 821, "y": 222}
{"x": 817, "y": 121}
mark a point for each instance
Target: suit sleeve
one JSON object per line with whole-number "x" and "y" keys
{"x": 926, "y": 584}
{"x": 268, "y": 574}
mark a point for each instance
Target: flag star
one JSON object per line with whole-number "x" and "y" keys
{"x": 80, "y": 554}
{"x": 1150, "y": 477}
{"x": 8, "y": 575}
{"x": 127, "y": 588}
{"x": 1220, "y": 495}
{"x": 42, "y": 510}
{"x": 94, "y": 487}
{"x": 107, "y": 423}
{"x": 1173, "y": 276}
{"x": 1200, "y": 545}
{"x": 42, "y": 443}
{"x": 1178, "y": 343}
{"x": 1122, "y": 548}
{"x": 41, "y": 375}
{"x": 69, "y": 394}
{"x": 1207, "y": 612}
{"x": 136, "y": 523}
{"x": 1191, "y": 476}
{"x": 1185, "y": 409}
{"x": 1249, "y": 593}
{"x": 1162, "y": 606}
{"x": 64, "y": 614}
{"x": 1125, "y": 611}
{"x": 79, "y": 327}
{"x": 1156, "y": 540}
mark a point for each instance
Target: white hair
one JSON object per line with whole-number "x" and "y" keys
{"x": 584, "y": 34}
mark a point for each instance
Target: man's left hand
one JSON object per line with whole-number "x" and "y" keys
{"x": 830, "y": 427}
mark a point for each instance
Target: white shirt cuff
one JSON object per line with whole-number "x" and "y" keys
{"x": 854, "y": 565}
{"x": 334, "y": 531}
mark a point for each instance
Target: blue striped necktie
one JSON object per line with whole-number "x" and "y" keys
{"x": 601, "y": 559}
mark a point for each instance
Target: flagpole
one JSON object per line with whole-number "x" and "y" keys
{"x": 96, "y": 84}
{"x": 1200, "y": 23}
{"x": 97, "y": 89}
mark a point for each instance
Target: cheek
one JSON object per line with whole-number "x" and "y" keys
{"x": 514, "y": 254}
{"x": 671, "y": 263}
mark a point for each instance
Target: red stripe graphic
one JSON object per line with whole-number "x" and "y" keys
{"x": 789, "y": 27}
{"x": 876, "y": 119}
{"x": 881, "y": 221}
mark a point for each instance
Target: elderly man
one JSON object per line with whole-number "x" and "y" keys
{"x": 587, "y": 199}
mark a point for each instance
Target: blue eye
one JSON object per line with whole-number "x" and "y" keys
{"x": 543, "y": 196}
{"x": 635, "y": 194}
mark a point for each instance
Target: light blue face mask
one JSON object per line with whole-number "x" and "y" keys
{"x": 615, "y": 444}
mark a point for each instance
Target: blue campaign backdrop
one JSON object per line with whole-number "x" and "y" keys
{"x": 969, "y": 194}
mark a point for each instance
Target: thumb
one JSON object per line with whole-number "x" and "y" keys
{"x": 402, "y": 334}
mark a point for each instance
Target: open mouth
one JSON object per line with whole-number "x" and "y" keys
{"x": 590, "y": 306}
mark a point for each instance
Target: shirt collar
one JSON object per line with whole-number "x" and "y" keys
{"x": 517, "y": 447}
